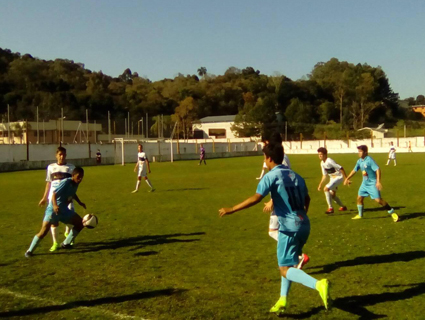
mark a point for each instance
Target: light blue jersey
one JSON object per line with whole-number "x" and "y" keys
{"x": 288, "y": 191}
{"x": 368, "y": 167}
{"x": 65, "y": 192}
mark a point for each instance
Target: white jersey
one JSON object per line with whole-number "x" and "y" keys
{"x": 331, "y": 168}
{"x": 56, "y": 173}
{"x": 141, "y": 159}
{"x": 391, "y": 154}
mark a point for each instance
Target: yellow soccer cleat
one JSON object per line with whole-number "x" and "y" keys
{"x": 279, "y": 307}
{"x": 55, "y": 247}
{"x": 323, "y": 287}
{"x": 356, "y": 217}
{"x": 395, "y": 217}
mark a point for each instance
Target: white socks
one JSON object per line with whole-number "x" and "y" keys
{"x": 328, "y": 197}
{"x": 53, "y": 231}
{"x": 149, "y": 183}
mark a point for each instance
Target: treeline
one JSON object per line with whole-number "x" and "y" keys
{"x": 336, "y": 97}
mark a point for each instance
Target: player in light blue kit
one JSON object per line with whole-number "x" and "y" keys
{"x": 58, "y": 210}
{"x": 291, "y": 201}
{"x": 371, "y": 185}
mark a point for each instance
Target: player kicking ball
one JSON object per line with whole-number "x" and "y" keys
{"x": 371, "y": 185}
{"x": 336, "y": 174}
{"x": 56, "y": 172}
{"x": 291, "y": 201}
{"x": 58, "y": 210}
{"x": 142, "y": 163}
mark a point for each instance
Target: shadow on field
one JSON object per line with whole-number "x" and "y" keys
{"x": 134, "y": 243}
{"x": 91, "y": 303}
{"x": 387, "y": 258}
{"x": 412, "y": 215}
{"x": 380, "y": 209}
{"x": 187, "y": 189}
{"x": 357, "y": 304}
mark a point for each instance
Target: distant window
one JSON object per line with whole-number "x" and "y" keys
{"x": 218, "y": 133}
{"x": 198, "y": 134}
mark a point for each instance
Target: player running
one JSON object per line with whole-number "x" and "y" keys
{"x": 291, "y": 201}
{"x": 58, "y": 210}
{"x": 142, "y": 163}
{"x": 371, "y": 185}
{"x": 391, "y": 154}
{"x": 336, "y": 174}
{"x": 56, "y": 172}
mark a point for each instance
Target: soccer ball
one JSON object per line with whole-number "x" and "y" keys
{"x": 90, "y": 221}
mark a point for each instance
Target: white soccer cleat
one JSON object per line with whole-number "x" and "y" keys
{"x": 134, "y": 191}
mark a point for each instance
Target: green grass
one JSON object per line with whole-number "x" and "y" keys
{"x": 167, "y": 255}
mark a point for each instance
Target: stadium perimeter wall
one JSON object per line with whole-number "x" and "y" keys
{"x": 14, "y": 157}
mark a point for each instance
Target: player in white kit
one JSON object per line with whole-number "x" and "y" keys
{"x": 391, "y": 154}
{"x": 143, "y": 164}
{"x": 336, "y": 174}
{"x": 56, "y": 172}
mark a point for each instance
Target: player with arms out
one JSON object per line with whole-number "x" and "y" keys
{"x": 58, "y": 210}
{"x": 291, "y": 201}
{"x": 391, "y": 154}
{"x": 371, "y": 185}
{"x": 142, "y": 163}
{"x": 56, "y": 172}
{"x": 336, "y": 174}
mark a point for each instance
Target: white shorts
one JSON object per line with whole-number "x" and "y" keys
{"x": 392, "y": 156}
{"x": 274, "y": 222}
{"x": 142, "y": 171}
{"x": 334, "y": 183}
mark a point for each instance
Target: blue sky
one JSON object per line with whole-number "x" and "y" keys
{"x": 159, "y": 39}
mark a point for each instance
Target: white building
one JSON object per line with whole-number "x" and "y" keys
{"x": 214, "y": 127}
{"x": 52, "y": 131}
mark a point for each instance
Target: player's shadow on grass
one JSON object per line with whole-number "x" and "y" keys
{"x": 381, "y": 209}
{"x": 376, "y": 259}
{"x": 91, "y": 303}
{"x": 134, "y": 243}
{"x": 356, "y": 305}
{"x": 412, "y": 215}
{"x": 187, "y": 189}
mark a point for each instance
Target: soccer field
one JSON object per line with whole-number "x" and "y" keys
{"x": 167, "y": 254}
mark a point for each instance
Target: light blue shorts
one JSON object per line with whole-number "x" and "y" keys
{"x": 369, "y": 190}
{"x": 290, "y": 245}
{"x": 64, "y": 215}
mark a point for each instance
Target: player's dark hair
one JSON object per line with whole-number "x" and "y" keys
{"x": 274, "y": 152}
{"x": 60, "y": 149}
{"x": 322, "y": 150}
{"x": 363, "y": 148}
{"x": 79, "y": 171}
{"x": 272, "y": 137}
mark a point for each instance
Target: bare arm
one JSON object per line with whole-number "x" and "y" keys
{"x": 149, "y": 167}
{"x": 321, "y": 181}
{"x": 79, "y": 201}
{"x": 253, "y": 200}
{"x": 54, "y": 203}
{"x": 137, "y": 163}
{"x": 378, "y": 179}
{"x": 344, "y": 174}
{"x": 347, "y": 179}
{"x": 46, "y": 193}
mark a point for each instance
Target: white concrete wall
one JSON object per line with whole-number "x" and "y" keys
{"x": 16, "y": 153}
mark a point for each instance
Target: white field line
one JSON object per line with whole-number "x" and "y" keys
{"x": 34, "y": 298}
